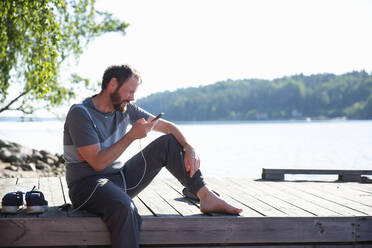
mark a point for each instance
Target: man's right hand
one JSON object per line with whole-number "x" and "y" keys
{"x": 140, "y": 128}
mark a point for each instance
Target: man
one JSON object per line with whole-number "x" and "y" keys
{"x": 95, "y": 136}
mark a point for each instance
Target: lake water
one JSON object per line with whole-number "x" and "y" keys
{"x": 240, "y": 149}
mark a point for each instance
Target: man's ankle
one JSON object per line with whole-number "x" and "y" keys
{"x": 203, "y": 192}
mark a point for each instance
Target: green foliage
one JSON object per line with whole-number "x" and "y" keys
{"x": 36, "y": 37}
{"x": 296, "y": 97}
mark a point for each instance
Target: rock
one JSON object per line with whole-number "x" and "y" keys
{"x": 25, "y": 152}
{"x": 49, "y": 158}
{"x": 36, "y": 155}
{"x": 44, "y": 152}
{"x": 53, "y": 157}
{"x": 60, "y": 165}
{"x": 4, "y": 143}
{"x": 12, "y": 168}
{"x": 9, "y": 174}
{"x": 41, "y": 165}
{"x": 12, "y": 144}
{"x": 60, "y": 158}
{"x": 19, "y": 161}
{"x": 29, "y": 166}
{"x": 49, "y": 161}
{"x": 7, "y": 155}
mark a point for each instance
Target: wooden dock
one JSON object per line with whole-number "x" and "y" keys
{"x": 295, "y": 214}
{"x": 343, "y": 175}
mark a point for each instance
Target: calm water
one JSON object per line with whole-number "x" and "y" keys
{"x": 241, "y": 149}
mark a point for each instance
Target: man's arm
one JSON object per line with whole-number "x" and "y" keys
{"x": 99, "y": 159}
{"x": 192, "y": 161}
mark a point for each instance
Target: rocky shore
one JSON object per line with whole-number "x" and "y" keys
{"x": 20, "y": 161}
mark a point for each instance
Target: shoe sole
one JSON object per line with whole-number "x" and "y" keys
{"x": 36, "y": 209}
{"x": 10, "y": 209}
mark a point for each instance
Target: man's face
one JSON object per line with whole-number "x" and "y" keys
{"x": 125, "y": 94}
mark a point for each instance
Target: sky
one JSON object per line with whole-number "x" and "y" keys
{"x": 178, "y": 44}
{"x": 189, "y": 43}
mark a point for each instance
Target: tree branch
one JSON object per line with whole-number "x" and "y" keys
{"x": 7, "y": 107}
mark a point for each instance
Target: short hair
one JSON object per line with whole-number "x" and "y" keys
{"x": 121, "y": 72}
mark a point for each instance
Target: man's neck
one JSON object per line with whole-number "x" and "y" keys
{"x": 102, "y": 103}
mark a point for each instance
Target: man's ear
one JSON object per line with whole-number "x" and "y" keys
{"x": 112, "y": 85}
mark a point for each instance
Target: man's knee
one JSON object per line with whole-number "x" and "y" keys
{"x": 120, "y": 210}
{"x": 170, "y": 139}
{"x": 124, "y": 206}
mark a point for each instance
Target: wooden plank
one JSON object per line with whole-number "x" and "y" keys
{"x": 7, "y": 185}
{"x": 173, "y": 198}
{"x": 54, "y": 231}
{"x": 52, "y": 190}
{"x": 188, "y": 231}
{"x": 247, "y": 212}
{"x": 333, "y": 197}
{"x": 155, "y": 203}
{"x": 355, "y": 209}
{"x": 271, "y": 199}
{"x": 294, "y": 199}
{"x": 311, "y": 188}
{"x": 232, "y": 197}
{"x": 142, "y": 209}
{"x": 26, "y": 184}
{"x": 291, "y": 187}
{"x": 346, "y": 191}
{"x": 64, "y": 186}
{"x": 258, "y": 230}
{"x": 324, "y": 245}
{"x": 366, "y": 188}
{"x": 316, "y": 171}
{"x": 343, "y": 175}
{"x": 290, "y": 198}
{"x": 245, "y": 197}
{"x": 175, "y": 185}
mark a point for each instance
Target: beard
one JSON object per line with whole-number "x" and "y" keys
{"x": 117, "y": 102}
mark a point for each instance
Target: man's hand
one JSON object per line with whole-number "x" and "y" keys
{"x": 140, "y": 128}
{"x": 192, "y": 161}
{"x": 99, "y": 158}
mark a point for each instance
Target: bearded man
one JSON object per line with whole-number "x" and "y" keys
{"x": 95, "y": 136}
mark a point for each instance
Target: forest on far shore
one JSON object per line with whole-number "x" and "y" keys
{"x": 318, "y": 96}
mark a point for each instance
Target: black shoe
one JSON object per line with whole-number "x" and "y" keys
{"x": 36, "y": 203}
{"x": 12, "y": 202}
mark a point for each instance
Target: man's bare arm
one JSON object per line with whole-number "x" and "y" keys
{"x": 192, "y": 161}
{"x": 99, "y": 159}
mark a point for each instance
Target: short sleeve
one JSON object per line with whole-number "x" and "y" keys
{"x": 136, "y": 113}
{"x": 81, "y": 128}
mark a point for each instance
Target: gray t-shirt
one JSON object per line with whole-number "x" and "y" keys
{"x": 86, "y": 125}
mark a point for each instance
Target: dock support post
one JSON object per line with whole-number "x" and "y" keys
{"x": 350, "y": 177}
{"x": 274, "y": 177}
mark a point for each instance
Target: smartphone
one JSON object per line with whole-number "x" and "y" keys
{"x": 157, "y": 117}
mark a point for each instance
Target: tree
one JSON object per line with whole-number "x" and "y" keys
{"x": 36, "y": 38}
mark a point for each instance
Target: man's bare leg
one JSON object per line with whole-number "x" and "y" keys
{"x": 211, "y": 203}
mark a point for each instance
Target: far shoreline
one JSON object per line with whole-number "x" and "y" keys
{"x": 199, "y": 122}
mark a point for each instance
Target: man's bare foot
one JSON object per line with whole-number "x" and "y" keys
{"x": 211, "y": 203}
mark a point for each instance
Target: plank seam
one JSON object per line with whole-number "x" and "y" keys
{"x": 264, "y": 191}
{"x": 63, "y": 191}
{"x": 315, "y": 203}
{"x": 333, "y": 201}
{"x": 139, "y": 198}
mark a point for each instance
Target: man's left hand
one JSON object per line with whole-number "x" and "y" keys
{"x": 192, "y": 161}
